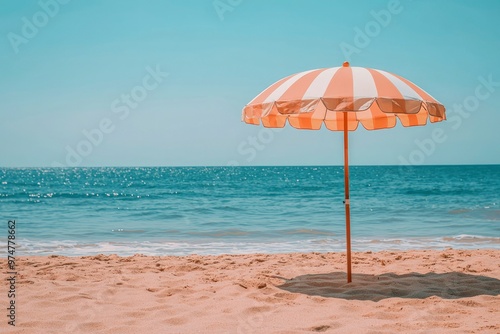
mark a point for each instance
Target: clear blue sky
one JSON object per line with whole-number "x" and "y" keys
{"x": 67, "y": 67}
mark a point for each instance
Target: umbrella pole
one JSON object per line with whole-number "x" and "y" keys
{"x": 346, "y": 201}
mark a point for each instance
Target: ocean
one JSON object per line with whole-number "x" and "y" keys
{"x": 214, "y": 210}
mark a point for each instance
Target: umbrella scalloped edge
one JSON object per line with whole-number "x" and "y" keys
{"x": 372, "y": 113}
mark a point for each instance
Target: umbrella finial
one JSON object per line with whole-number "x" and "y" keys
{"x": 345, "y": 64}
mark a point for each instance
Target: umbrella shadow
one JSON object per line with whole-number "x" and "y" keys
{"x": 452, "y": 285}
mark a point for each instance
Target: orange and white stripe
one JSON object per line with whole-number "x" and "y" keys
{"x": 371, "y": 97}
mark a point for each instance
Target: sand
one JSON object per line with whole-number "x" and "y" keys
{"x": 450, "y": 291}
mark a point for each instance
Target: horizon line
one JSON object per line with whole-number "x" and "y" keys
{"x": 230, "y": 166}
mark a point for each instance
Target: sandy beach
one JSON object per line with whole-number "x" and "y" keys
{"x": 450, "y": 291}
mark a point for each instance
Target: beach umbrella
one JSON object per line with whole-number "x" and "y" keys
{"x": 341, "y": 98}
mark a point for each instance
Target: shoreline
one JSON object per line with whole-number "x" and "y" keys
{"x": 412, "y": 291}
{"x": 72, "y": 248}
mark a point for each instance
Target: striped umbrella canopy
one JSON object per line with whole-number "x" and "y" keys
{"x": 341, "y": 98}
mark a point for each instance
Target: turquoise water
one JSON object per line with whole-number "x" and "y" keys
{"x": 213, "y": 210}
